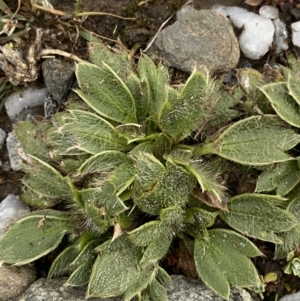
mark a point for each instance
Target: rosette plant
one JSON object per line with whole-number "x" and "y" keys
{"x": 134, "y": 167}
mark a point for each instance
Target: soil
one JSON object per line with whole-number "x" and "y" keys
{"x": 134, "y": 34}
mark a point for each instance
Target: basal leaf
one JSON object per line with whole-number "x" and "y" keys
{"x": 222, "y": 258}
{"x": 118, "y": 62}
{"x": 104, "y": 162}
{"x": 34, "y": 236}
{"x": 31, "y": 137}
{"x": 293, "y": 86}
{"x": 83, "y": 264}
{"x": 186, "y": 110}
{"x": 104, "y": 91}
{"x": 257, "y": 140}
{"x": 146, "y": 277}
{"x": 256, "y": 215}
{"x": 61, "y": 264}
{"x": 170, "y": 189}
{"x": 291, "y": 239}
{"x": 283, "y": 178}
{"x": 115, "y": 269}
{"x": 283, "y": 103}
{"x": 45, "y": 180}
{"x": 91, "y": 133}
{"x": 154, "y": 82}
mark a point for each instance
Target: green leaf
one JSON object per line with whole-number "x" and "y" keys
{"x": 105, "y": 92}
{"x": 118, "y": 62}
{"x": 34, "y": 199}
{"x": 256, "y": 215}
{"x": 291, "y": 239}
{"x": 154, "y": 82}
{"x": 186, "y": 109}
{"x": 146, "y": 277}
{"x": 167, "y": 189}
{"x": 31, "y": 138}
{"x": 283, "y": 178}
{"x": 283, "y": 103}
{"x": 156, "y": 291}
{"x": 156, "y": 237}
{"x": 115, "y": 269}
{"x": 91, "y": 133}
{"x": 45, "y": 180}
{"x": 257, "y": 140}
{"x": 105, "y": 161}
{"x": 293, "y": 87}
{"x": 61, "y": 264}
{"x": 222, "y": 258}
{"x": 83, "y": 264}
{"x": 34, "y": 236}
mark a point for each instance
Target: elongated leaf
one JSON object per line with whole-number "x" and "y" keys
{"x": 104, "y": 91}
{"x": 61, "y": 265}
{"x": 34, "y": 236}
{"x": 104, "y": 161}
{"x": 83, "y": 264}
{"x": 146, "y": 277}
{"x": 291, "y": 239}
{"x": 257, "y": 140}
{"x": 45, "y": 180}
{"x": 154, "y": 85}
{"x": 31, "y": 137}
{"x": 36, "y": 200}
{"x": 256, "y": 215}
{"x": 118, "y": 62}
{"x": 115, "y": 269}
{"x": 283, "y": 178}
{"x": 222, "y": 258}
{"x": 170, "y": 189}
{"x": 92, "y": 133}
{"x": 283, "y": 103}
{"x": 156, "y": 291}
{"x": 187, "y": 109}
{"x": 293, "y": 86}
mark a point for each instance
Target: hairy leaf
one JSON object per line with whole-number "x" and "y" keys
{"x": 34, "y": 236}
{"x": 283, "y": 103}
{"x": 154, "y": 82}
{"x": 186, "y": 109}
{"x": 115, "y": 269}
{"x": 31, "y": 138}
{"x": 170, "y": 189}
{"x": 256, "y": 215}
{"x": 61, "y": 264}
{"x": 91, "y": 133}
{"x": 104, "y": 91}
{"x": 257, "y": 140}
{"x": 45, "y": 180}
{"x": 156, "y": 291}
{"x": 83, "y": 264}
{"x": 222, "y": 258}
{"x": 293, "y": 87}
{"x": 291, "y": 239}
{"x": 118, "y": 62}
{"x": 283, "y": 178}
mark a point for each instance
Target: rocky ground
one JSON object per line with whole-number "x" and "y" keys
{"x": 219, "y": 50}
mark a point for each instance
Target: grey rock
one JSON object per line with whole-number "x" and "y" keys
{"x": 30, "y": 100}
{"x": 197, "y": 39}
{"x": 15, "y": 280}
{"x": 13, "y": 147}
{"x": 291, "y": 297}
{"x": 182, "y": 289}
{"x": 58, "y": 76}
{"x": 2, "y": 137}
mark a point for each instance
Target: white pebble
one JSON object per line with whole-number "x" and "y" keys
{"x": 258, "y": 31}
{"x": 2, "y": 137}
{"x": 269, "y": 11}
{"x": 11, "y": 209}
{"x": 291, "y": 297}
{"x": 296, "y": 33}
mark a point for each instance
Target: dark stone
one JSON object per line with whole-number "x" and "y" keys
{"x": 58, "y": 76}
{"x": 197, "y": 39}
